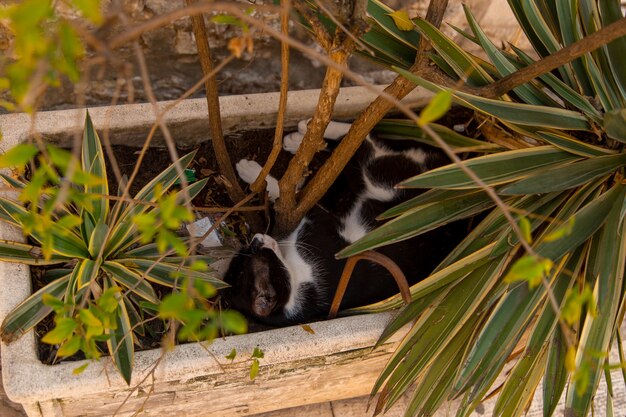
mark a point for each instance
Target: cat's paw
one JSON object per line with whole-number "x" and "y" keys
{"x": 292, "y": 141}
{"x": 248, "y": 170}
{"x": 336, "y": 130}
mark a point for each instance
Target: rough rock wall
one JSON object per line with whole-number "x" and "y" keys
{"x": 174, "y": 67}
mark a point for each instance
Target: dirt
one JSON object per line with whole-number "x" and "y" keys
{"x": 254, "y": 145}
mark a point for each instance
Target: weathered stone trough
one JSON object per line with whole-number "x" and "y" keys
{"x": 299, "y": 367}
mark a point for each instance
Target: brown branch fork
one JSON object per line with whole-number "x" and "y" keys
{"x": 378, "y": 258}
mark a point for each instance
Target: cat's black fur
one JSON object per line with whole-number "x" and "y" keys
{"x": 282, "y": 292}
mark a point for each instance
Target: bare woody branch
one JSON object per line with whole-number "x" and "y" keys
{"x": 260, "y": 182}
{"x": 215, "y": 121}
{"x": 339, "y": 51}
{"x": 400, "y": 87}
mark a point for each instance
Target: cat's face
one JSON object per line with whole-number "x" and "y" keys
{"x": 258, "y": 278}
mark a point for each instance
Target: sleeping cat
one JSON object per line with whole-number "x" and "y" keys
{"x": 293, "y": 280}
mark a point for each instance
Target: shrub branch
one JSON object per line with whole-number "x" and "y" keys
{"x": 215, "y": 121}
{"x": 361, "y": 127}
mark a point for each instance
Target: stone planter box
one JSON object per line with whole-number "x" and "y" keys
{"x": 335, "y": 362}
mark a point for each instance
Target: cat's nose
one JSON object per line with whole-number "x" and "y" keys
{"x": 263, "y": 306}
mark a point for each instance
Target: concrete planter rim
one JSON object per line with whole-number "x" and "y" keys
{"x": 189, "y": 361}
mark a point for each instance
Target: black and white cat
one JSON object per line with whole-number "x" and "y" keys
{"x": 293, "y": 280}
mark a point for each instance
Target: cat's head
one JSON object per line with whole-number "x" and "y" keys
{"x": 258, "y": 278}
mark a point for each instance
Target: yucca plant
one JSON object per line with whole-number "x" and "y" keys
{"x": 541, "y": 277}
{"x": 104, "y": 258}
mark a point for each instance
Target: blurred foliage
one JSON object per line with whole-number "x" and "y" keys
{"x": 45, "y": 47}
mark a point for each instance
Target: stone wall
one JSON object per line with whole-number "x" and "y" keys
{"x": 174, "y": 67}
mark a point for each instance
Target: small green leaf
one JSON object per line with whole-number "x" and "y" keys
{"x": 570, "y": 359}
{"x": 88, "y": 318}
{"x": 561, "y": 232}
{"x": 205, "y": 289}
{"x": 70, "y": 347}
{"x": 254, "y": 369}
{"x": 526, "y": 229}
{"x": 80, "y": 369}
{"x": 51, "y": 301}
{"x": 173, "y": 305}
{"x": 437, "y": 107}
{"x": 18, "y": 156}
{"x": 69, "y": 221}
{"x": 258, "y": 353}
{"x": 402, "y": 20}
{"x": 574, "y": 303}
{"x": 108, "y": 301}
{"x": 529, "y": 268}
{"x": 90, "y": 10}
{"x": 234, "y": 322}
{"x": 64, "y": 328}
{"x": 232, "y": 355}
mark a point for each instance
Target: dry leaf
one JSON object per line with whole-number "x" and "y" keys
{"x": 237, "y": 45}
{"x": 402, "y": 20}
{"x": 307, "y": 328}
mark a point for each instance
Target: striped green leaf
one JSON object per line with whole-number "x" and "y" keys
{"x": 169, "y": 274}
{"x": 527, "y": 92}
{"x": 86, "y": 272}
{"x": 120, "y": 343}
{"x": 556, "y": 373}
{"x": 519, "y": 388}
{"x": 610, "y": 12}
{"x": 493, "y": 169}
{"x": 406, "y": 129}
{"x": 435, "y": 196}
{"x": 27, "y": 254}
{"x": 131, "y": 280}
{"x": 585, "y": 223}
{"x": 379, "y": 12}
{"x": 93, "y": 163}
{"x": 566, "y": 176}
{"x": 463, "y": 64}
{"x": 97, "y": 240}
{"x": 431, "y": 334}
{"x": 125, "y": 233}
{"x": 522, "y": 114}
{"x": 437, "y": 382}
{"x": 598, "y": 332}
{"x": 570, "y": 144}
{"x": 419, "y": 220}
{"x": 31, "y": 311}
{"x": 166, "y": 179}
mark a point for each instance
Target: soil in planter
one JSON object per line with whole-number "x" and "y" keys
{"x": 254, "y": 145}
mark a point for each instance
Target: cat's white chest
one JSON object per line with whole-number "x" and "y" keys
{"x": 300, "y": 271}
